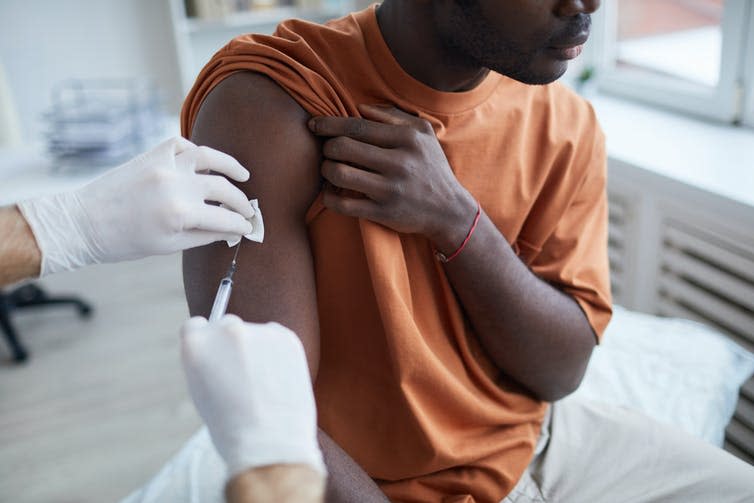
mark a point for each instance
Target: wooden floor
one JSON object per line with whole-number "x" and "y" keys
{"x": 101, "y": 404}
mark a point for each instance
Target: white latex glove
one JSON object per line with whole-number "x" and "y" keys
{"x": 154, "y": 204}
{"x": 250, "y": 383}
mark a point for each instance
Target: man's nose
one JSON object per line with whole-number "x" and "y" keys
{"x": 570, "y": 8}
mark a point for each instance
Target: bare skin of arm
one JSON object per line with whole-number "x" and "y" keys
{"x": 251, "y": 118}
{"x": 19, "y": 254}
{"x": 280, "y": 483}
{"x": 410, "y": 188}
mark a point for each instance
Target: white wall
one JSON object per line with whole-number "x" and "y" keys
{"x": 45, "y": 41}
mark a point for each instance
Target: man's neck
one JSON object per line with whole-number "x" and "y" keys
{"x": 410, "y": 32}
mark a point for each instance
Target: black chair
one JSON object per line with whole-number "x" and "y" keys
{"x": 25, "y": 297}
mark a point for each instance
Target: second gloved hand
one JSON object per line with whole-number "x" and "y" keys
{"x": 251, "y": 385}
{"x": 154, "y": 204}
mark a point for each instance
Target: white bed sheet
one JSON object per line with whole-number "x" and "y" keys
{"x": 676, "y": 371}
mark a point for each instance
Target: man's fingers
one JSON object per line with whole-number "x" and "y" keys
{"x": 219, "y": 189}
{"x": 345, "y": 149}
{"x": 391, "y": 115}
{"x": 217, "y": 220}
{"x": 374, "y": 133}
{"x": 205, "y": 158}
{"x": 349, "y": 206}
{"x": 345, "y": 176}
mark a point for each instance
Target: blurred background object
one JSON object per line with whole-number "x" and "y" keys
{"x": 10, "y": 132}
{"x": 692, "y": 56}
{"x": 200, "y": 27}
{"x": 43, "y": 43}
{"x": 102, "y": 122}
{"x": 680, "y": 39}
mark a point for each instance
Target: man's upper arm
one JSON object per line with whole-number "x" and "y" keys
{"x": 251, "y": 118}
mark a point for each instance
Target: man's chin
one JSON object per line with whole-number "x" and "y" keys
{"x": 536, "y": 75}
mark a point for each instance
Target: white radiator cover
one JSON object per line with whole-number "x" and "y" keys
{"x": 677, "y": 250}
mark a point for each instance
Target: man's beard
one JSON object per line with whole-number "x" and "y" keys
{"x": 469, "y": 37}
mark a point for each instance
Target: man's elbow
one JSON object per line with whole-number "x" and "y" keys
{"x": 564, "y": 380}
{"x": 558, "y": 389}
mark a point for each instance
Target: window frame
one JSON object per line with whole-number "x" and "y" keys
{"x": 748, "y": 78}
{"x": 723, "y": 102}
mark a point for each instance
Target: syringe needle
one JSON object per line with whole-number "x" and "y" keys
{"x": 235, "y": 255}
{"x": 233, "y": 263}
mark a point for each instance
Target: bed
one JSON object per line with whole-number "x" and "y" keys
{"x": 683, "y": 250}
{"x": 675, "y": 371}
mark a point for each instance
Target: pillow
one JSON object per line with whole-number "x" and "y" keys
{"x": 676, "y": 371}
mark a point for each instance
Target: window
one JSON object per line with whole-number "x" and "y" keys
{"x": 690, "y": 55}
{"x": 749, "y": 71}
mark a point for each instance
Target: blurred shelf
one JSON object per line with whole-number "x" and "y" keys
{"x": 258, "y": 18}
{"x": 197, "y": 39}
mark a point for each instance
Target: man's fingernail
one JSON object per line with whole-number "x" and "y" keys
{"x": 312, "y": 124}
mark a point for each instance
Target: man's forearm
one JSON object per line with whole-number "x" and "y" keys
{"x": 20, "y": 257}
{"x": 347, "y": 481}
{"x": 279, "y": 483}
{"x": 533, "y": 332}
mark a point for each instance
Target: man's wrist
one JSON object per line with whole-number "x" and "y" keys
{"x": 281, "y": 483}
{"x": 19, "y": 253}
{"x": 455, "y": 224}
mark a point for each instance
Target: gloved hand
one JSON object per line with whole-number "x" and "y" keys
{"x": 151, "y": 205}
{"x": 251, "y": 385}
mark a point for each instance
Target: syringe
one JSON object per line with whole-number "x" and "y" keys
{"x": 223, "y": 291}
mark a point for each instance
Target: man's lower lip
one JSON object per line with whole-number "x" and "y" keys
{"x": 566, "y": 52}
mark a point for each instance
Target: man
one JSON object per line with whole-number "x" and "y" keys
{"x": 437, "y": 239}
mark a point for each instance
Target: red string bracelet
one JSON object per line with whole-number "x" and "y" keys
{"x": 441, "y": 256}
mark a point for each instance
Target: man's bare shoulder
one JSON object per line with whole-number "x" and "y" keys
{"x": 250, "y": 117}
{"x": 245, "y": 92}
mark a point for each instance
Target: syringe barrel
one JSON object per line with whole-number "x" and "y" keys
{"x": 221, "y": 299}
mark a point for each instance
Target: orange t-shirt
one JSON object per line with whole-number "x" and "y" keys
{"x": 403, "y": 385}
